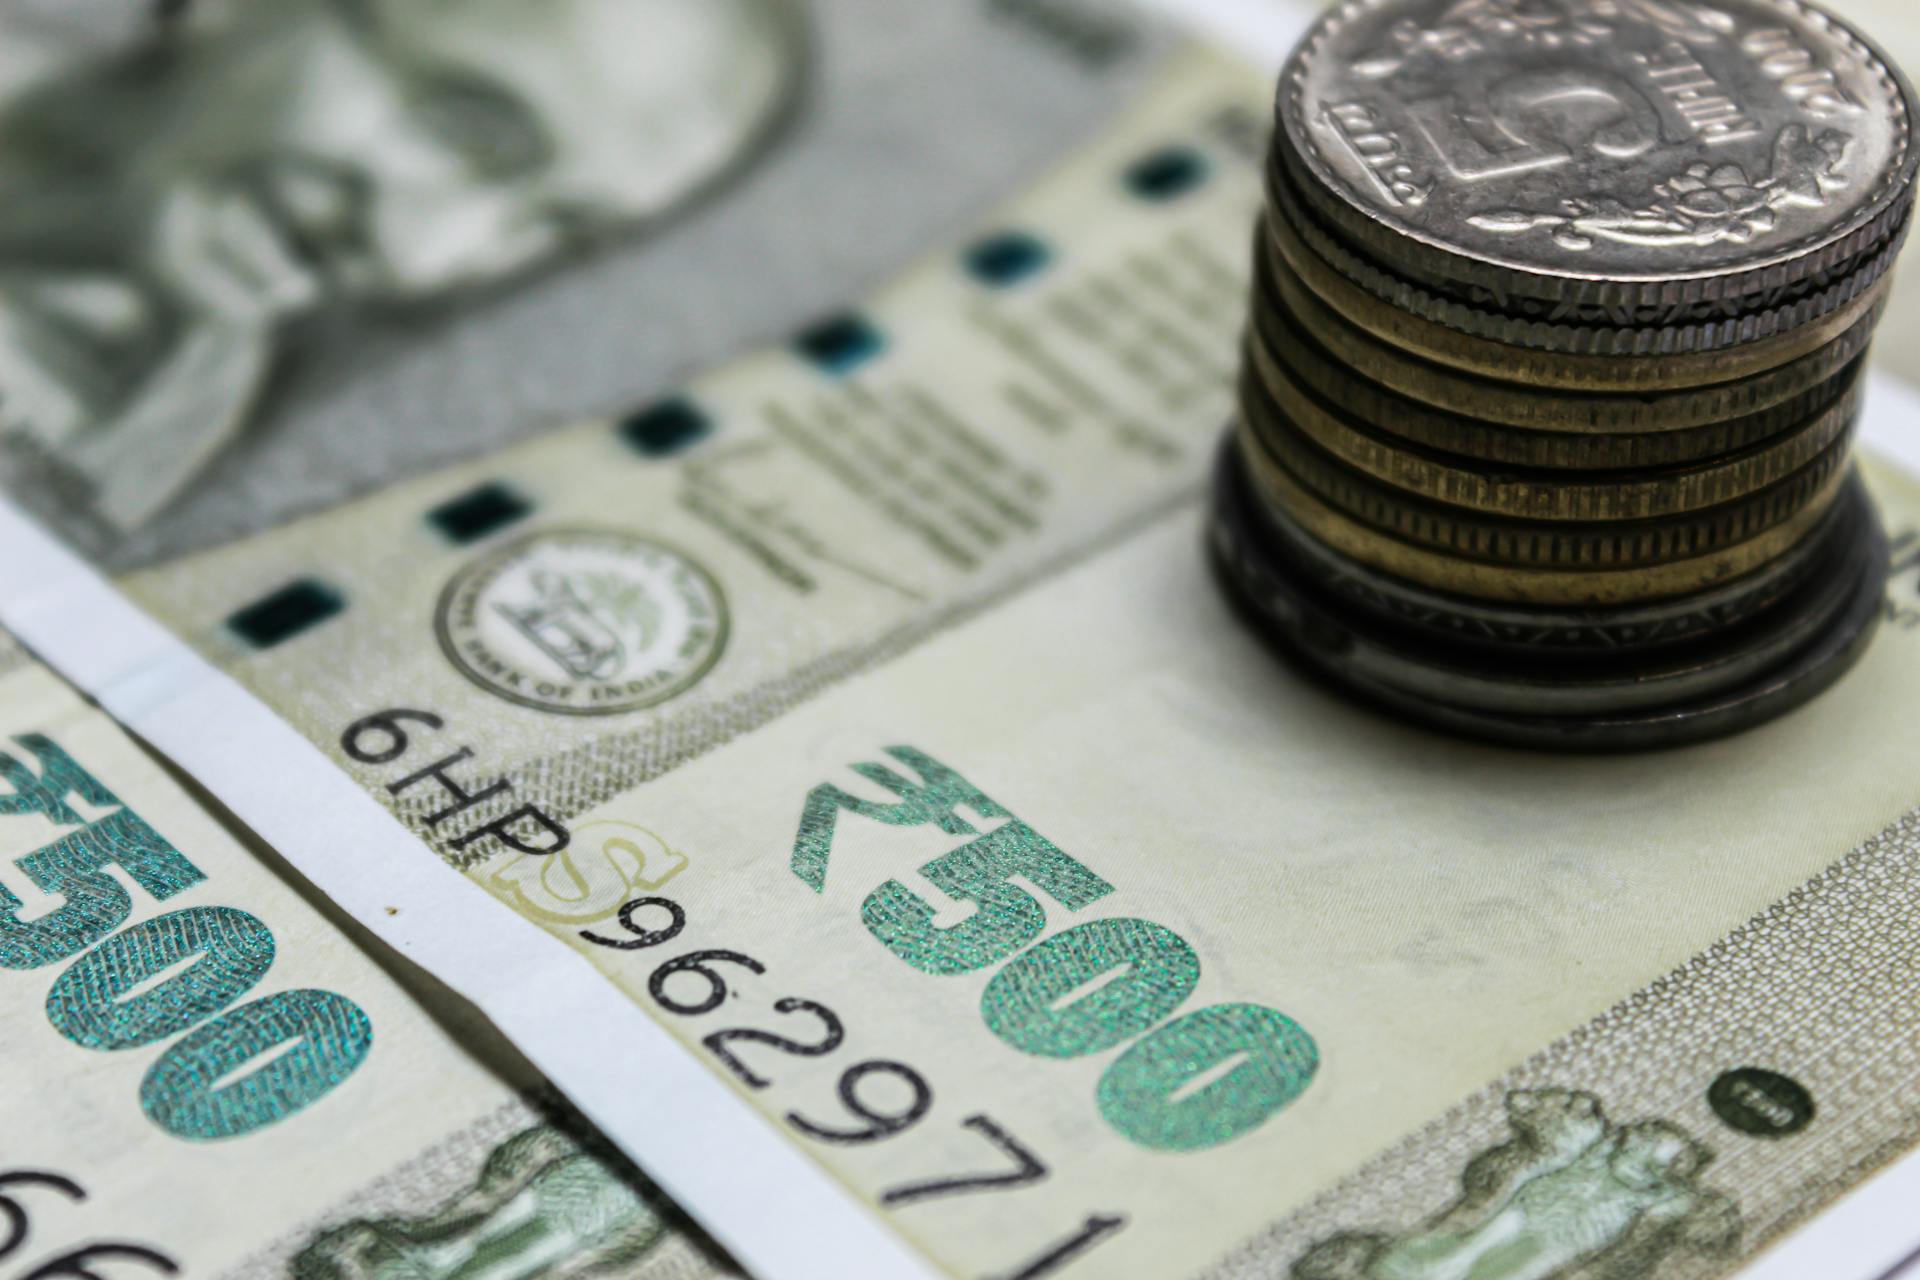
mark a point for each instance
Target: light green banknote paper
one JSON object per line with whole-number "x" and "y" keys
{"x": 1318, "y": 931}
{"x": 1023, "y": 892}
{"x": 601, "y": 603}
{"x": 207, "y": 1076}
{"x": 613, "y": 597}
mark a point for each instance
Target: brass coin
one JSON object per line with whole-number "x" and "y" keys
{"x": 1515, "y": 584}
{"x": 1731, "y": 681}
{"x": 1280, "y": 349}
{"x": 1525, "y": 684}
{"x": 1534, "y": 632}
{"x": 1536, "y": 543}
{"x": 1540, "y": 409}
{"x": 1271, "y": 400}
{"x": 1652, "y": 369}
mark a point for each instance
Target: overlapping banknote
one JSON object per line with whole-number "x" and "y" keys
{"x": 396, "y": 1136}
{"x": 825, "y": 793}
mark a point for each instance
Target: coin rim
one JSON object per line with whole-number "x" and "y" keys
{"x": 1447, "y": 674}
{"x": 1458, "y": 391}
{"x": 1546, "y": 632}
{"x": 1574, "y": 338}
{"x": 1792, "y": 684}
{"x": 1544, "y": 494}
{"x": 1601, "y": 544}
{"x": 1519, "y": 584}
{"x": 1618, "y": 371}
{"x": 1499, "y": 445}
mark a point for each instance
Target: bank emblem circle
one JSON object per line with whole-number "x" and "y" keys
{"x": 583, "y": 622}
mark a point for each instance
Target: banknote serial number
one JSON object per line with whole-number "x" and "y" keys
{"x": 1182, "y": 1083}
{"x": 176, "y": 979}
{"x": 23, "y": 1191}
{"x": 382, "y": 738}
{"x": 882, "y": 1097}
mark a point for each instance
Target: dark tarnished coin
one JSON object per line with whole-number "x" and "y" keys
{"x": 1631, "y": 153}
{"x": 1601, "y": 685}
{"x": 1740, "y": 678}
{"x": 1557, "y": 633}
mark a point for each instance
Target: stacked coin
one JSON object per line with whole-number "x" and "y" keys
{"x": 1547, "y": 401}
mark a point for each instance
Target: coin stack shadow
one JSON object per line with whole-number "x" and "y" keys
{"x": 1540, "y": 507}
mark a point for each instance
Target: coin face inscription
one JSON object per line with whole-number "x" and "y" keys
{"x": 583, "y": 622}
{"x": 1631, "y": 140}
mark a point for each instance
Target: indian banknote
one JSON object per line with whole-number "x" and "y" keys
{"x": 1228, "y": 938}
{"x": 1062, "y": 926}
{"x": 208, "y": 1075}
{"x": 730, "y": 548}
{"x": 195, "y": 188}
{"x": 975, "y": 95}
{"x": 1086, "y": 934}
{"x": 726, "y": 705}
{"x": 623, "y": 593}
{"x": 259, "y": 258}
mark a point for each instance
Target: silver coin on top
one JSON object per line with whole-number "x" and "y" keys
{"x": 1630, "y": 153}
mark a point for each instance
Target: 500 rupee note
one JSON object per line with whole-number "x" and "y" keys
{"x": 1095, "y": 931}
{"x": 617, "y": 596}
{"x": 208, "y": 1076}
{"x": 1059, "y": 928}
{"x": 604, "y": 602}
{"x": 1088, "y": 937}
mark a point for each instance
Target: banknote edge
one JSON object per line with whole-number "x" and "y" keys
{"x": 751, "y": 1189}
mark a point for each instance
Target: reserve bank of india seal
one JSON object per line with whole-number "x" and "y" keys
{"x": 583, "y": 622}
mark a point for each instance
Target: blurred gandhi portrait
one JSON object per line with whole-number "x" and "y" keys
{"x": 185, "y": 198}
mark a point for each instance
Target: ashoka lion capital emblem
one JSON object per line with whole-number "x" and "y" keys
{"x": 1568, "y": 1191}
{"x": 583, "y": 622}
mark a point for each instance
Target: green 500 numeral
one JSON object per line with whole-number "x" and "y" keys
{"x": 177, "y": 974}
{"x": 1149, "y": 1092}
{"x": 1203, "y": 1078}
{"x": 98, "y": 1003}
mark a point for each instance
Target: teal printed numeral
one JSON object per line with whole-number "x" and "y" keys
{"x": 1021, "y": 1004}
{"x": 75, "y": 867}
{"x": 166, "y": 976}
{"x": 47, "y": 792}
{"x": 1148, "y": 1092}
{"x": 1195, "y": 1082}
{"x": 1008, "y": 917}
{"x": 933, "y": 801}
{"x": 231, "y": 951}
{"x": 194, "y": 1091}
